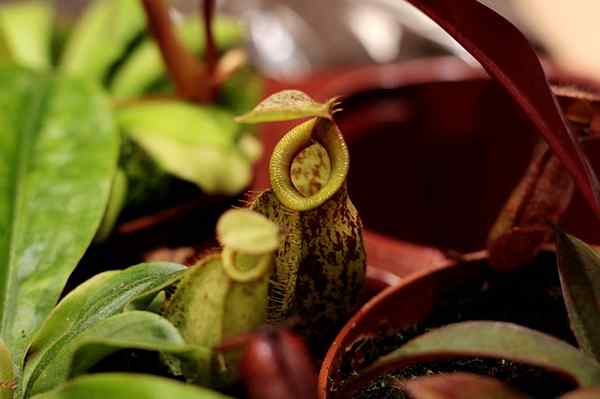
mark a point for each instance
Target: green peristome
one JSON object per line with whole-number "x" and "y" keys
{"x": 195, "y": 143}
{"x": 128, "y": 386}
{"x": 105, "y": 295}
{"x": 497, "y": 340}
{"x": 101, "y": 37}
{"x": 58, "y": 153}
{"x": 579, "y": 270}
{"x": 144, "y": 67}
{"x": 26, "y": 31}
{"x": 458, "y": 385}
{"x": 288, "y": 105}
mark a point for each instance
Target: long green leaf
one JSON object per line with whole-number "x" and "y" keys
{"x": 493, "y": 340}
{"x": 101, "y": 37}
{"x": 104, "y": 295}
{"x": 197, "y": 144}
{"x": 579, "y": 269}
{"x": 144, "y": 66}
{"x": 26, "y": 30}
{"x": 58, "y": 153}
{"x": 128, "y": 386}
{"x": 459, "y": 386}
{"x": 134, "y": 329}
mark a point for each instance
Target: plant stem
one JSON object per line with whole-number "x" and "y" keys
{"x": 186, "y": 72}
{"x": 208, "y": 12}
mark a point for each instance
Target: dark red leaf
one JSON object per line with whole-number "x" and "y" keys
{"x": 507, "y": 56}
{"x": 458, "y": 386}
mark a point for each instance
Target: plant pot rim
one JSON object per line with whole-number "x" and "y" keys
{"x": 434, "y": 279}
{"x": 363, "y": 78}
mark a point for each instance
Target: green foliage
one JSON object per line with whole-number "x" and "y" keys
{"x": 25, "y": 33}
{"x": 579, "y": 268}
{"x": 101, "y": 36}
{"x": 128, "y": 386}
{"x": 194, "y": 143}
{"x": 105, "y": 295}
{"x": 144, "y": 67}
{"x": 58, "y": 152}
{"x": 118, "y": 197}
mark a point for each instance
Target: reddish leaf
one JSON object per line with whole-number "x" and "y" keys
{"x": 592, "y": 393}
{"x": 486, "y": 339}
{"x": 458, "y": 386}
{"x": 505, "y": 53}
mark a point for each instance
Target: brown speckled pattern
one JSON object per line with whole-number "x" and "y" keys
{"x": 320, "y": 266}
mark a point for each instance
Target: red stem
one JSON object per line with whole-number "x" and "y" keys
{"x": 208, "y": 11}
{"x": 186, "y": 72}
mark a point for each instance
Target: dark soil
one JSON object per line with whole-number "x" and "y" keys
{"x": 530, "y": 297}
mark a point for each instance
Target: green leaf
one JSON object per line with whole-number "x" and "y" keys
{"x": 242, "y": 91}
{"x": 101, "y": 37}
{"x": 58, "y": 153}
{"x": 579, "y": 269}
{"x": 248, "y": 232}
{"x": 458, "y": 386}
{"x": 144, "y": 67}
{"x": 118, "y": 195}
{"x": 104, "y": 295}
{"x": 194, "y": 143}
{"x": 26, "y": 30}
{"x": 288, "y": 105}
{"x": 7, "y": 373}
{"x": 591, "y": 393}
{"x": 495, "y": 340}
{"x": 128, "y": 386}
{"x": 134, "y": 330}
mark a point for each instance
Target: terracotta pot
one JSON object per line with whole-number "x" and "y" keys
{"x": 436, "y": 149}
{"x": 413, "y": 300}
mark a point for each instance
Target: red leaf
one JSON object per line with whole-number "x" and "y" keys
{"x": 458, "y": 386}
{"x": 507, "y": 56}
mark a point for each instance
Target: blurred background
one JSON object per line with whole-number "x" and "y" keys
{"x": 294, "y": 37}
